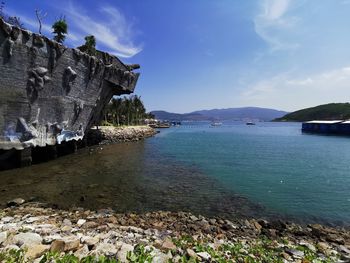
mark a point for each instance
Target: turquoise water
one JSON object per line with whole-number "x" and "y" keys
{"x": 274, "y": 164}
{"x": 267, "y": 170}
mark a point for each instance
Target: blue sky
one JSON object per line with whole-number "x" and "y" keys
{"x": 203, "y": 54}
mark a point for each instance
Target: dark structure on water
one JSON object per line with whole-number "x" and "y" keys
{"x": 327, "y": 127}
{"x": 51, "y": 95}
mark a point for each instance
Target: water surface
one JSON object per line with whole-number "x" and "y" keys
{"x": 266, "y": 170}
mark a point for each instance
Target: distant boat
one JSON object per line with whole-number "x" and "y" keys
{"x": 215, "y": 124}
{"x": 250, "y": 123}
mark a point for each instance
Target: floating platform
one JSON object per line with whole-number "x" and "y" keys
{"x": 327, "y": 127}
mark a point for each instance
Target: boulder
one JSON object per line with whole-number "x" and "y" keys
{"x": 37, "y": 251}
{"x": 27, "y": 239}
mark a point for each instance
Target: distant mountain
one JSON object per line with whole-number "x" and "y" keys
{"x": 331, "y": 111}
{"x": 164, "y": 115}
{"x": 252, "y": 113}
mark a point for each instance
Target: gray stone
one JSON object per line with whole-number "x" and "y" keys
{"x": 106, "y": 249}
{"x": 204, "y": 255}
{"x": 295, "y": 253}
{"x": 27, "y": 239}
{"x": 81, "y": 222}
{"x": 3, "y": 237}
{"x": 7, "y": 219}
{"x": 123, "y": 251}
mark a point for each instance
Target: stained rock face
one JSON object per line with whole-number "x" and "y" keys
{"x": 50, "y": 93}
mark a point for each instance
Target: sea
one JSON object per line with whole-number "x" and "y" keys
{"x": 268, "y": 170}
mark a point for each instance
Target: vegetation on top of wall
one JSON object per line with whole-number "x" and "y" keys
{"x": 60, "y": 30}
{"x": 90, "y": 45}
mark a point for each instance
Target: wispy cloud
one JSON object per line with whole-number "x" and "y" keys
{"x": 272, "y": 23}
{"x": 290, "y": 93}
{"x": 114, "y": 33}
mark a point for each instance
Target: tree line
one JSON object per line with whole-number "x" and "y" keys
{"x": 126, "y": 111}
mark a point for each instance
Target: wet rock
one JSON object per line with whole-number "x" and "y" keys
{"x": 15, "y": 202}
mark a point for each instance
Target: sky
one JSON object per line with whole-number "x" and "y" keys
{"x": 205, "y": 54}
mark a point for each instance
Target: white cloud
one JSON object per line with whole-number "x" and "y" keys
{"x": 114, "y": 33}
{"x": 285, "y": 92}
{"x": 275, "y": 9}
{"x": 272, "y": 23}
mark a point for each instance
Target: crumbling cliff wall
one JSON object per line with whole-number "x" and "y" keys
{"x": 50, "y": 93}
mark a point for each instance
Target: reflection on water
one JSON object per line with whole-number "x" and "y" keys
{"x": 125, "y": 177}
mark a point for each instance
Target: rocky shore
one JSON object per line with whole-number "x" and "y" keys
{"x": 111, "y": 134}
{"x": 33, "y": 232}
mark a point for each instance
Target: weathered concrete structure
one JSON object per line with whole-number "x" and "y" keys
{"x": 50, "y": 93}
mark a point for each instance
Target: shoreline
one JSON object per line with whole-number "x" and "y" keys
{"x": 113, "y": 134}
{"x": 165, "y": 236}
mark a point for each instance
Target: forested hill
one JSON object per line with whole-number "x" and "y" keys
{"x": 252, "y": 113}
{"x": 332, "y": 111}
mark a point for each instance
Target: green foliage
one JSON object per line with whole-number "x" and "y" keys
{"x": 332, "y": 111}
{"x": 60, "y": 29}
{"x": 261, "y": 251}
{"x": 140, "y": 255}
{"x": 126, "y": 111}
{"x": 90, "y": 45}
{"x": 13, "y": 256}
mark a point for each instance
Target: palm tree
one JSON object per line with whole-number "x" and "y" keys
{"x": 60, "y": 29}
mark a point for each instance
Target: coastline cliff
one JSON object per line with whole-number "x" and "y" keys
{"x": 50, "y": 93}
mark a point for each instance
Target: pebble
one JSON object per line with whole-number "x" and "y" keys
{"x": 100, "y": 233}
{"x": 204, "y": 255}
{"x": 3, "y": 237}
{"x": 81, "y": 222}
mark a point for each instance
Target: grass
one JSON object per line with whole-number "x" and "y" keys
{"x": 260, "y": 250}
